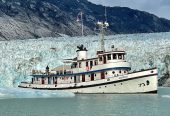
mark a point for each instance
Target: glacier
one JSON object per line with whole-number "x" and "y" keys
{"x": 20, "y": 57}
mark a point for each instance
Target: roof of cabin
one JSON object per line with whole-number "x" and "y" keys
{"x": 109, "y": 52}
{"x": 61, "y": 67}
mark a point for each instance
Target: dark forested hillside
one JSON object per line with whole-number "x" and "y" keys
{"x": 24, "y": 19}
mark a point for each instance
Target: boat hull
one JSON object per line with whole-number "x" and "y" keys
{"x": 139, "y": 82}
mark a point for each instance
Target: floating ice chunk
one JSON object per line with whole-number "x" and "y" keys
{"x": 165, "y": 96}
{"x": 7, "y": 93}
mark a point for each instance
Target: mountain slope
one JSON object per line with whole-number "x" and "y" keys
{"x": 24, "y": 19}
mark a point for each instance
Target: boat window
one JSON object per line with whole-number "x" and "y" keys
{"x": 57, "y": 72}
{"x": 61, "y": 72}
{"x": 79, "y": 64}
{"x": 100, "y": 58}
{"x": 108, "y": 56}
{"x": 87, "y": 64}
{"x": 114, "y": 56}
{"x": 120, "y": 71}
{"x": 74, "y": 65}
{"x": 123, "y": 56}
{"x": 105, "y": 73}
{"x": 91, "y": 64}
{"x": 95, "y": 62}
{"x": 120, "y": 56}
{"x": 113, "y": 72}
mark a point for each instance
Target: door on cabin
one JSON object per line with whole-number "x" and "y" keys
{"x": 74, "y": 79}
{"x": 83, "y": 77}
{"x": 92, "y": 77}
{"x": 43, "y": 81}
{"x": 104, "y": 59}
{"x": 91, "y": 64}
{"x": 55, "y": 80}
{"x": 102, "y": 75}
{"x": 32, "y": 80}
{"x": 49, "y": 80}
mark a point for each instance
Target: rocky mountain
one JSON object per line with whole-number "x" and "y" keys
{"x": 24, "y": 19}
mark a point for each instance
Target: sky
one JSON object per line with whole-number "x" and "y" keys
{"x": 161, "y": 8}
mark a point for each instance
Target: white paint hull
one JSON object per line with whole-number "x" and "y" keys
{"x": 139, "y": 82}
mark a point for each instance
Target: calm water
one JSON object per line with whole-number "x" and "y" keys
{"x": 90, "y": 105}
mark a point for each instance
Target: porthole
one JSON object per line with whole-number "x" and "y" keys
{"x": 105, "y": 86}
{"x": 95, "y": 75}
{"x": 147, "y": 82}
{"x": 120, "y": 71}
{"x": 113, "y": 72}
{"x": 106, "y": 73}
{"x": 121, "y": 83}
{"x": 152, "y": 71}
{"x": 124, "y": 71}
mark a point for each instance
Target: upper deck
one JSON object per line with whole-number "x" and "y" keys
{"x": 109, "y": 60}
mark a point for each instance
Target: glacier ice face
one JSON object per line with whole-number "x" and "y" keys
{"x": 19, "y": 57}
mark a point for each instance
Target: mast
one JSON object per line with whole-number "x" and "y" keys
{"x": 82, "y": 25}
{"x": 102, "y": 26}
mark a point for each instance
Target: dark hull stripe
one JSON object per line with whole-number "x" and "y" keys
{"x": 148, "y": 92}
{"x": 94, "y": 85}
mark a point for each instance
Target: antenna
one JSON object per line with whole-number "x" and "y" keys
{"x": 81, "y": 19}
{"x": 105, "y": 14}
